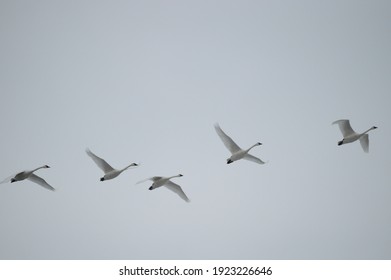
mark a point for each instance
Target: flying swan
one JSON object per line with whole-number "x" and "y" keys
{"x": 236, "y": 151}
{"x": 109, "y": 171}
{"x": 29, "y": 174}
{"x": 349, "y": 135}
{"x": 159, "y": 181}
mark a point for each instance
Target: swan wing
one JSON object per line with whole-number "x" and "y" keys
{"x": 253, "y": 159}
{"x": 100, "y": 162}
{"x": 177, "y": 189}
{"x": 344, "y": 126}
{"x": 38, "y": 180}
{"x": 364, "y": 141}
{"x": 8, "y": 179}
{"x": 154, "y": 179}
{"x": 228, "y": 142}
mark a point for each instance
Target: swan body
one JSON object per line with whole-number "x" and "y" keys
{"x": 159, "y": 181}
{"x": 29, "y": 174}
{"x": 109, "y": 171}
{"x": 349, "y": 135}
{"x": 236, "y": 151}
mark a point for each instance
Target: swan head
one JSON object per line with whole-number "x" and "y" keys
{"x": 258, "y": 144}
{"x": 102, "y": 179}
{"x": 134, "y": 164}
{"x": 340, "y": 142}
{"x": 150, "y": 188}
{"x": 374, "y": 127}
{"x": 13, "y": 180}
{"x": 46, "y": 166}
{"x": 180, "y": 175}
{"x": 229, "y": 161}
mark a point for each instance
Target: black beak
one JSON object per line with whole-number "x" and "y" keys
{"x": 102, "y": 179}
{"x": 150, "y": 188}
{"x": 229, "y": 161}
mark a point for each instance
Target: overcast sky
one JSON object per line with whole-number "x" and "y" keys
{"x": 144, "y": 81}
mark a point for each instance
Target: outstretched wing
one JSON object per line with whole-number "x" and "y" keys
{"x": 177, "y": 189}
{"x": 38, "y": 180}
{"x": 8, "y": 179}
{"x": 364, "y": 141}
{"x": 253, "y": 159}
{"x": 100, "y": 162}
{"x": 344, "y": 126}
{"x": 150, "y": 179}
{"x": 228, "y": 142}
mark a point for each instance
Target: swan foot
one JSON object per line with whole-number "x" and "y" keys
{"x": 340, "y": 143}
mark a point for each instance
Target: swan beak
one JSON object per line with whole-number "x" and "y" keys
{"x": 229, "y": 161}
{"x": 259, "y": 143}
{"x": 180, "y": 175}
{"x": 47, "y": 166}
{"x": 135, "y": 164}
{"x": 102, "y": 179}
{"x": 13, "y": 180}
{"x": 374, "y": 127}
{"x": 150, "y": 188}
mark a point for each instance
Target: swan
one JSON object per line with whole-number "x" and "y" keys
{"x": 109, "y": 171}
{"x": 236, "y": 151}
{"x": 29, "y": 174}
{"x": 349, "y": 135}
{"x": 159, "y": 181}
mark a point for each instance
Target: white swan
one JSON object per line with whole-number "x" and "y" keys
{"x": 349, "y": 135}
{"x": 29, "y": 174}
{"x": 159, "y": 181}
{"x": 236, "y": 151}
{"x": 109, "y": 171}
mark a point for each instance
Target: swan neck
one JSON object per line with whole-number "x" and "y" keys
{"x": 366, "y": 131}
{"x": 38, "y": 168}
{"x": 130, "y": 165}
{"x": 252, "y": 147}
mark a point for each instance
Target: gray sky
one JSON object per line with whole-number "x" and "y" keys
{"x": 144, "y": 81}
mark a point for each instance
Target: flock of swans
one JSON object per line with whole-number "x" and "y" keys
{"x": 237, "y": 153}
